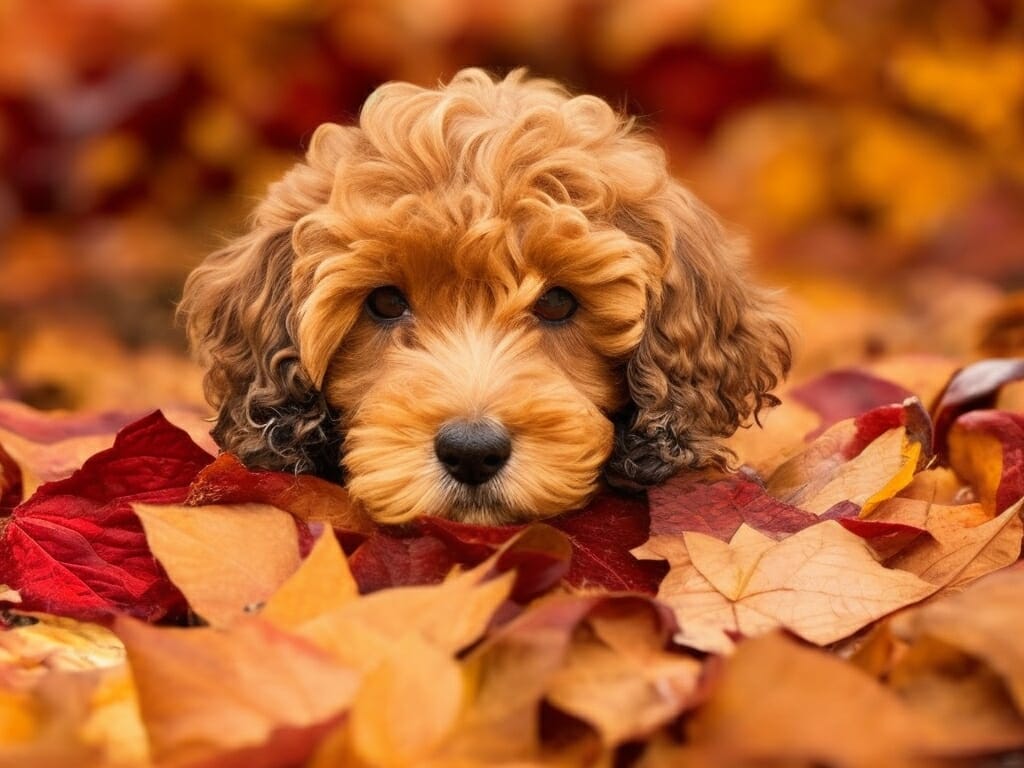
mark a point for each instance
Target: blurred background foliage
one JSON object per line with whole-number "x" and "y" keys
{"x": 871, "y": 150}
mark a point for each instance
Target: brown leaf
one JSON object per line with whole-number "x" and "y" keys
{"x": 515, "y": 667}
{"x": 823, "y": 583}
{"x": 247, "y": 696}
{"x": 224, "y": 559}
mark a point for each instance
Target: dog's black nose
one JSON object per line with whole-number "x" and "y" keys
{"x": 472, "y": 452}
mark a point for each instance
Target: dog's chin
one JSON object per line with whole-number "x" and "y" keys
{"x": 485, "y": 504}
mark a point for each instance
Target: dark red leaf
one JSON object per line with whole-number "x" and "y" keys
{"x": 717, "y": 506}
{"x": 309, "y": 498}
{"x": 10, "y": 483}
{"x": 909, "y": 414}
{"x": 601, "y": 535}
{"x": 386, "y": 560}
{"x": 843, "y": 394}
{"x": 76, "y": 548}
{"x": 541, "y": 558}
{"x": 972, "y": 388}
{"x": 885, "y": 538}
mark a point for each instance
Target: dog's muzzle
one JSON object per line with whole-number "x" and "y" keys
{"x": 472, "y": 452}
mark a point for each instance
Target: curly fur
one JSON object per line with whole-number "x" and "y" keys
{"x": 474, "y": 198}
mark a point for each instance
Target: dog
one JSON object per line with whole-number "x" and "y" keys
{"x": 483, "y": 301}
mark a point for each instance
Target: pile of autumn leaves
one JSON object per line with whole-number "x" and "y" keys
{"x": 851, "y": 597}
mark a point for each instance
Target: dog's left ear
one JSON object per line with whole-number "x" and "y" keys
{"x": 714, "y": 347}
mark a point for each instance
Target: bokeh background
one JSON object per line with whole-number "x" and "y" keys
{"x": 871, "y": 150}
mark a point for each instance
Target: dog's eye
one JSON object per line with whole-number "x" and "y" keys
{"x": 386, "y": 303}
{"x": 556, "y": 305}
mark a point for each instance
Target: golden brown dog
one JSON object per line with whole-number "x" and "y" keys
{"x": 481, "y": 302}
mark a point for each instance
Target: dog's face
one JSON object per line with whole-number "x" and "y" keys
{"x": 478, "y": 303}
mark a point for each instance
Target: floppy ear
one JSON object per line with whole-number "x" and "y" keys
{"x": 239, "y": 310}
{"x": 713, "y": 349}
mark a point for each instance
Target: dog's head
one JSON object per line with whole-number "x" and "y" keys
{"x": 477, "y": 303}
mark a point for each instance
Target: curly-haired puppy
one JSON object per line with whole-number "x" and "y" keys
{"x": 481, "y": 302}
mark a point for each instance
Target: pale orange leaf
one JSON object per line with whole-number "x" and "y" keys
{"x": 206, "y": 694}
{"x": 956, "y": 553}
{"x": 618, "y": 677}
{"x": 321, "y": 583}
{"x": 226, "y": 559}
{"x": 823, "y": 583}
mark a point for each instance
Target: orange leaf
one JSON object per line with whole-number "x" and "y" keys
{"x": 837, "y": 467}
{"x": 984, "y": 621}
{"x": 823, "y": 583}
{"x": 224, "y": 559}
{"x": 618, "y": 677}
{"x": 956, "y": 553}
{"x": 212, "y": 695}
{"x": 407, "y": 706}
{"x": 322, "y": 583}
{"x": 986, "y": 448}
{"x": 776, "y": 702}
{"x": 450, "y": 615}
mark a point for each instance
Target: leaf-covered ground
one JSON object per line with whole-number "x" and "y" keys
{"x": 852, "y": 597}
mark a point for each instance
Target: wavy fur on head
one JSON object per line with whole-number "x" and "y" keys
{"x": 474, "y": 199}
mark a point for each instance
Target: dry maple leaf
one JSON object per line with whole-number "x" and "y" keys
{"x": 823, "y": 584}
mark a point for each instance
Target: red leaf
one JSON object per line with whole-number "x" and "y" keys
{"x": 909, "y": 414}
{"x": 885, "y": 538}
{"x": 986, "y": 448}
{"x": 972, "y": 388}
{"x": 384, "y": 560}
{"x": 10, "y": 483}
{"x": 601, "y": 536}
{"x": 718, "y": 506}
{"x": 76, "y": 548}
{"x": 309, "y": 498}
{"x": 540, "y": 561}
{"x": 843, "y": 394}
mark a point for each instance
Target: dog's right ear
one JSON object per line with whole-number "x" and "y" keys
{"x": 239, "y": 311}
